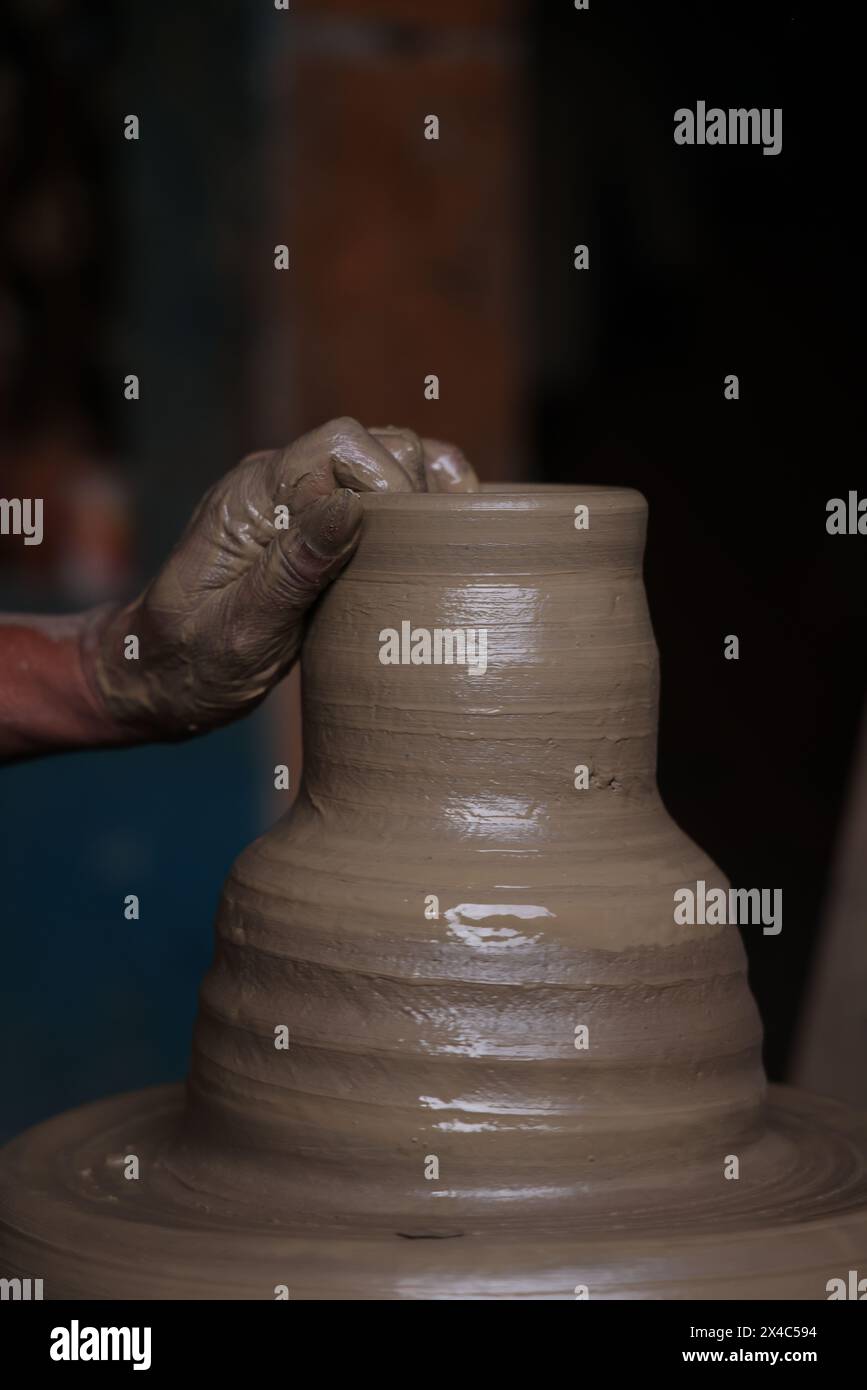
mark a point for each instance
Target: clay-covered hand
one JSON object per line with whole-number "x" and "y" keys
{"x": 224, "y": 619}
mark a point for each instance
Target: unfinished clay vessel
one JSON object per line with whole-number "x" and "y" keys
{"x": 453, "y": 1043}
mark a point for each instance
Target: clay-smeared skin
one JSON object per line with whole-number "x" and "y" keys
{"x": 454, "y": 1037}
{"x": 224, "y": 619}
{"x": 46, "y": 700}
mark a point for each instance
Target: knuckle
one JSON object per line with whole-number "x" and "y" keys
{"x": 343, "y": 427}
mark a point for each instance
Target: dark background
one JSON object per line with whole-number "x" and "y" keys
{"x": 712, "y": 261}
{"x": 408, "y": 257}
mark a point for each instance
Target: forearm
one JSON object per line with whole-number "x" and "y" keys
{"x": 47, "y": 701}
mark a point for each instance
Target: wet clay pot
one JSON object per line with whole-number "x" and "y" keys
{"x": 454, "y": 1043}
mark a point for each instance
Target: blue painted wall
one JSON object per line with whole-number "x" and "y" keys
{"x": 94, "y": 1003}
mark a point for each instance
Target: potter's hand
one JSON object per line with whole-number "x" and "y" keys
{"x": 223, "y": 620}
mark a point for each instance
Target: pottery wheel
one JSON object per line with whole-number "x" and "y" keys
{"x": 67, "y": 1212}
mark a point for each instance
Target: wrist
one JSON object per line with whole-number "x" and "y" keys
{"x": 113, "y": 669}
{"x": 47, "y": 701}
{"x": 100, "y": 632}
{"x": 136, "y": 675}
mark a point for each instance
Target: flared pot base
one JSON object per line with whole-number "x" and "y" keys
{"x": 70, "y": 1216}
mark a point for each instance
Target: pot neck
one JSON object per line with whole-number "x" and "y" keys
{"x": 484, "y": 666}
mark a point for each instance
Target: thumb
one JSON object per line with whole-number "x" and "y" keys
{"x": 314, "y": 548}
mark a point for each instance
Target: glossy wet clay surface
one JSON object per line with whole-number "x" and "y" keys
{"x": 455, "y": 1041}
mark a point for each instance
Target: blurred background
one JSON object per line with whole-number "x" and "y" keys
{"x": 408, "y": 257}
